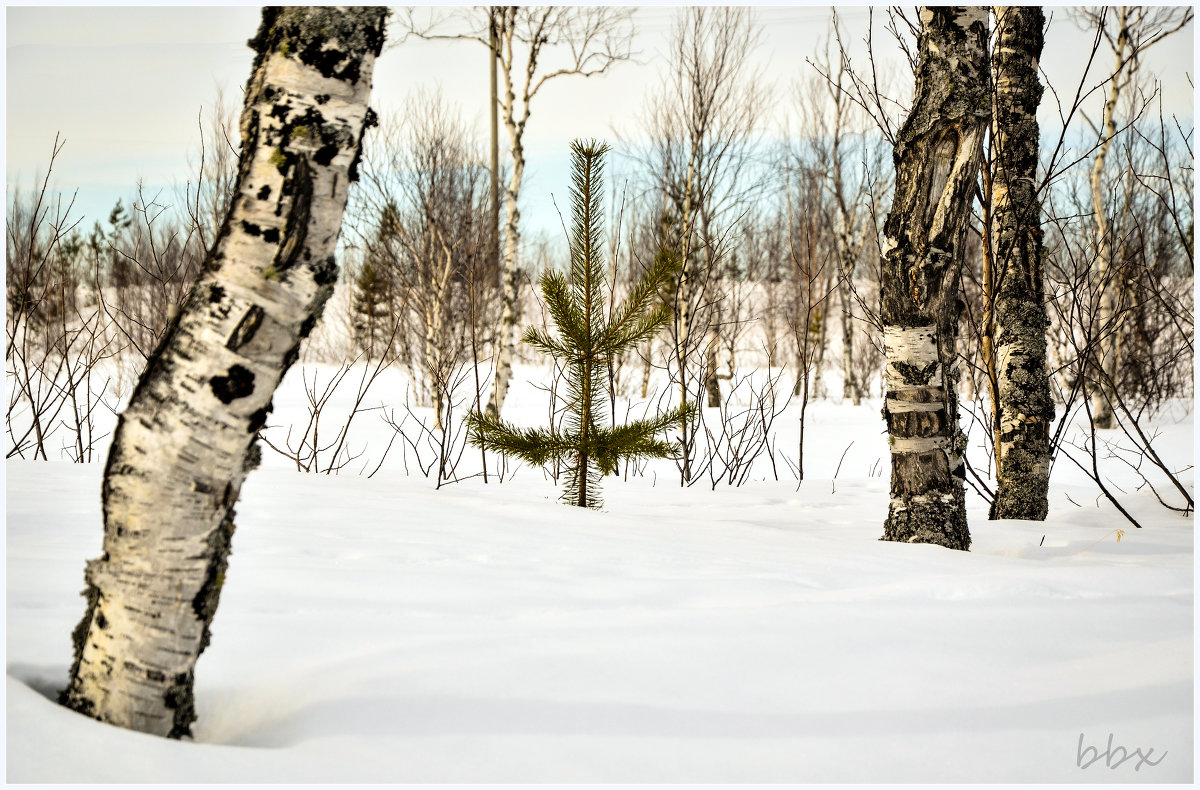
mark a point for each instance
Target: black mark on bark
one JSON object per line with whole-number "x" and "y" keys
{"x": 245, "y": 329}
{"x": 238, "y": 382}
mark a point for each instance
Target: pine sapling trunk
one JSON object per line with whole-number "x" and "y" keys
{"x": 585, "y": 371}
{"x": 184, "y": 444}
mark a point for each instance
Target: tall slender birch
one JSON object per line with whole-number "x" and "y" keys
{"x": 937, "y": 157}
{"x": 185, "y": 443}
{"x": 524, "y": 41}
{"x": 1134, "y": 30}
{"x": 1106, "y": 345}
{"x": 1024, "y": 407}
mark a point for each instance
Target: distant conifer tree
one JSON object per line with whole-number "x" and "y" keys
{"x": 373, "y": 298}
{"x": 372, "y": 308}
{"x": 589, "y": 337}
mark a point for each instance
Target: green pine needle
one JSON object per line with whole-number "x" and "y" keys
{"x": 586, "y": 344}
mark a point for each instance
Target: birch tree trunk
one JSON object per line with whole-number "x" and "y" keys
{"x": 183, "y": 446}
{"x": 846, "y": 258}
{"x": 712, "y": 381}
{"x": 1022, "y": 382}
{"x": 595, "y": 39}
{"x": 510, "y": 314}
{"x": 683, "y": 310}
{"x": 937, "y": 157}
{"x": 503, "y": 30}
{"x": 1105, "y": 353}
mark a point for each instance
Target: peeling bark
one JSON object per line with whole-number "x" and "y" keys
{"x": 937, "y": 157}
{"x": 1022, "y": 382}
{"x": 183, "y": 446}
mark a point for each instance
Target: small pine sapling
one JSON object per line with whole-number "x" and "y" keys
{"x": 589, "y": 337}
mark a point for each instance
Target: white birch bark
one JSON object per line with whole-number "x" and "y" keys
{"x": 595, "y": 38}
{"x": 510, "y": 283}
{"x": 683, "y": 310}
{"x": 1105, "y": 351}
{"x": 847, "y": 254}
{"x": 937, "y": 155}
{"x": 183, "y": 446}
{"x": 510, "y": 314}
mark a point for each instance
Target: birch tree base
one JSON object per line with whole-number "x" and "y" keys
{"x": 930, "y": 518}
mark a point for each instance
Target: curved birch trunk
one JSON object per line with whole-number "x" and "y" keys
{"x": 1022, "y": 383}
{"x": 183, "y": 446}
{"x": 937, "y": 157}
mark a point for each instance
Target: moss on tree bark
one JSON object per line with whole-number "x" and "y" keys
{"x": 937, "y": 157}
{"x": 1023, "y": 384}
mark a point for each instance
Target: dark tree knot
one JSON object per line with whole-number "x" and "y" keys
{"x": 238, "y": 382}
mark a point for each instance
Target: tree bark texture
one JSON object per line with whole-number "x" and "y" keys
{"x": 493, "y": 123}
{"x": 847, "y": 257}
{"x": 683, "y": 306}
{"x": 712, "y": 381}
{"x": 937, "y": 157}
{"x": 510, "y": 294}
{"x": 184, "y": 444}
{"x": 1022, "y": 382}
{"x": 510, "y": 285}
{"x": 1105, "y": 349}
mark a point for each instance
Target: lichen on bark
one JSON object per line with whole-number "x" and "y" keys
{"x": 937, "y": 156}
{"x": 1025, "y": 408}
{"x": 185, "y": 442}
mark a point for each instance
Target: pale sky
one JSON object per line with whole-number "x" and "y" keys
{"x": 124, "y": 86}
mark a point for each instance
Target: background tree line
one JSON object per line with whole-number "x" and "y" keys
{"x": 988, "y": 278}
{"x": 779, "y": 225}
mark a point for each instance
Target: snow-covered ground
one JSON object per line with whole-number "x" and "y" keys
{"x": 379, "y": 630}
